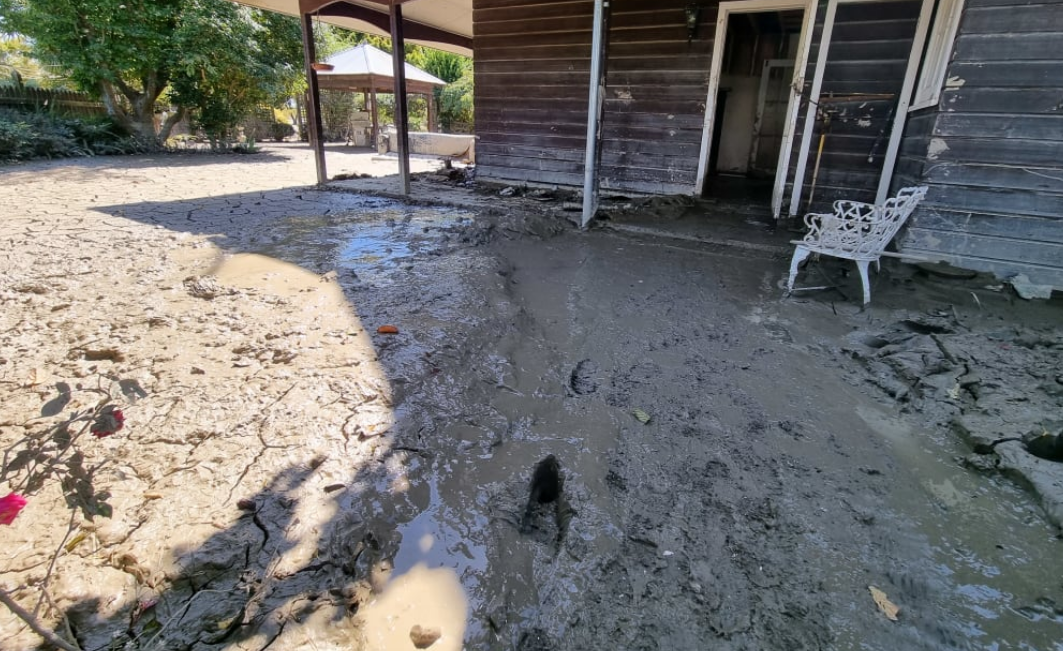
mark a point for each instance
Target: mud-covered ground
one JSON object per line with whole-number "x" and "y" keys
{"x": 739, "y": 468}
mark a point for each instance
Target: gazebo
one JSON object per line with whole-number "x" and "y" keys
{"x": 366, "y": 69}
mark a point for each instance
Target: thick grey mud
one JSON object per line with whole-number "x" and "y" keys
{"x": 764, "y": 495}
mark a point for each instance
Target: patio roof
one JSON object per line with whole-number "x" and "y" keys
{"x": 440, "y": 24}
{"x": 364, "y": 68}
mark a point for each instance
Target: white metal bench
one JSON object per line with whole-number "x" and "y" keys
{"x": 855, "y": 231}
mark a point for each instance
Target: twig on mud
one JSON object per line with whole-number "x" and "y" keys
{"x": 55, "y": 557}
{"x": 32, "y": 622}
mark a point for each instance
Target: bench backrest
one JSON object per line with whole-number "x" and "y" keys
{"x": 895, "y": 212}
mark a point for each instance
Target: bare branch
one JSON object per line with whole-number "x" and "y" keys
{"x": 32, "y": 622}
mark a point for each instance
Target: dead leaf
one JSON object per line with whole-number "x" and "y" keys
{"x": 37, "y": 376}
{"x": 388, "y": 330}
{"x": 641, "y": 416}
{"x": 888, "y": 608}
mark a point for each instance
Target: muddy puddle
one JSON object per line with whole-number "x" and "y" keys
{"x": 989, "y": 542}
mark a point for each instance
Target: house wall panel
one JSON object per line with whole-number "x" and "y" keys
{"x": 532, "y": 70}
{"x": 994, "y": 157}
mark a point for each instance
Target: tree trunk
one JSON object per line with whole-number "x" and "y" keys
{"x": 140, "y": 119}
{"x": 171, "y": 122}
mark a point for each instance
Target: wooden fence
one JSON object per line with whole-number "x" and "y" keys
{"x": 61, "y": 101}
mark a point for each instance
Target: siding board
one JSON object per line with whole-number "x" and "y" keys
{"x": 1004, "y": 100}
{"x": 532, "y": 61}
{"x": 1007, "y": 74}
{"x": 1008, "y": 46}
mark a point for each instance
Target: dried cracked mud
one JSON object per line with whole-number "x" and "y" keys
{"x": 738, "y": 468}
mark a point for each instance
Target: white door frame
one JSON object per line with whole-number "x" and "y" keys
{"x": 800, "y": 62}
{"x": 903, "y": 100}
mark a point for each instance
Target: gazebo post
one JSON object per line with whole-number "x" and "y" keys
{"x": 432, "y": 126}
{"x": 376, "y": 126}
{"x": 313, "y": 108}
{"x": 398, "y": 58}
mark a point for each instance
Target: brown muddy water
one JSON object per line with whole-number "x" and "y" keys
{"x": 753, "y": 510}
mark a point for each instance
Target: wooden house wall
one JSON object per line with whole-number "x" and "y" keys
{"x": 657, "y": 84}
{"x": 532, "y": 71}
{"x": 991, "y": 152}
{"x": 868, "y": 55}
{"x": 532, "y": 63}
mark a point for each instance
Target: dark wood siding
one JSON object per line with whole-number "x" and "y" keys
{"x": 993, "y": 155}
{"x": 656, "y": 88}
{"x": 532, "y": 62}
{"x": 532, "y": 72}
{"x": 868, "y": 56}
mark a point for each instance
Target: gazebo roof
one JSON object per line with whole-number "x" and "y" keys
{"x": 365, "y": 68}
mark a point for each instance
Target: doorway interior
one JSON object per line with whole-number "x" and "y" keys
{"x": 752, "y": 104}
{"x": 760, "y": 53}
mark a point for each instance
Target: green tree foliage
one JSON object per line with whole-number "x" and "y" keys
{"x": 456, "y": 102}
{"x": 448, "y": 67}
{"x": 217, "y": 59}
{"x": 234, "y": 59}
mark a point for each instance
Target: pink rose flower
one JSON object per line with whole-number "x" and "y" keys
{"x": 10, "y": 506}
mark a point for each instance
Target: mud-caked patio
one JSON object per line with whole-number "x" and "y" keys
{"x": 247, "y": 413}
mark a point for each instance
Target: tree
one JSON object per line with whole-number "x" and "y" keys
{"x": 216, "y": 57}
{"x": 252, "y": 66}
{"x": 456, "y": 101}
{"x": 448, "y": 67}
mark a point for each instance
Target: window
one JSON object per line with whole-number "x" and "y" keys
{"x": 938, "y": 49}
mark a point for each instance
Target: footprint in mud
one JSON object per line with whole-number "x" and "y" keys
{"x": 584, "y": 378}
{"x": 534, "y": 640}
{"x": 547, "y": 487}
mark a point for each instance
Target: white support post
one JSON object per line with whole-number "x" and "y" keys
{"x": 813, "y": 96}
{"x": 710, "y": 103}
{"x": 594, "y": 117}
{"x": 787, "y": 149}
{"x": 900, "y": 116}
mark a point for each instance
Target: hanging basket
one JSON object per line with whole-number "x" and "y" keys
{"x": 322, "y": 67}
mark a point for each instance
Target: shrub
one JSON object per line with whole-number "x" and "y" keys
{"x": 279, "y": 131}
{"x": 27, "y": 135}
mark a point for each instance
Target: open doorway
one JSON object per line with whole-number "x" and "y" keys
{"x": 752, "y": 101}
{"x": 759, "y": 57}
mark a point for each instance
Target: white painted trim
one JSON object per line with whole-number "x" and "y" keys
{"x": 786, "y": 150}
{"x": 594, "y": 102}
{"x": 901, "y": 114}
{"x": 813, "y": 96}
{"x": 938, "y": 51}
{"x": 710, "y": 103}
{"x": 747, "y": 7}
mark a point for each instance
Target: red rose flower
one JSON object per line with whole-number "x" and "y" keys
{"x": 108, "y": 423}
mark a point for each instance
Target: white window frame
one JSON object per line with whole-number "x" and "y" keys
{"x": 938, "y": 52}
